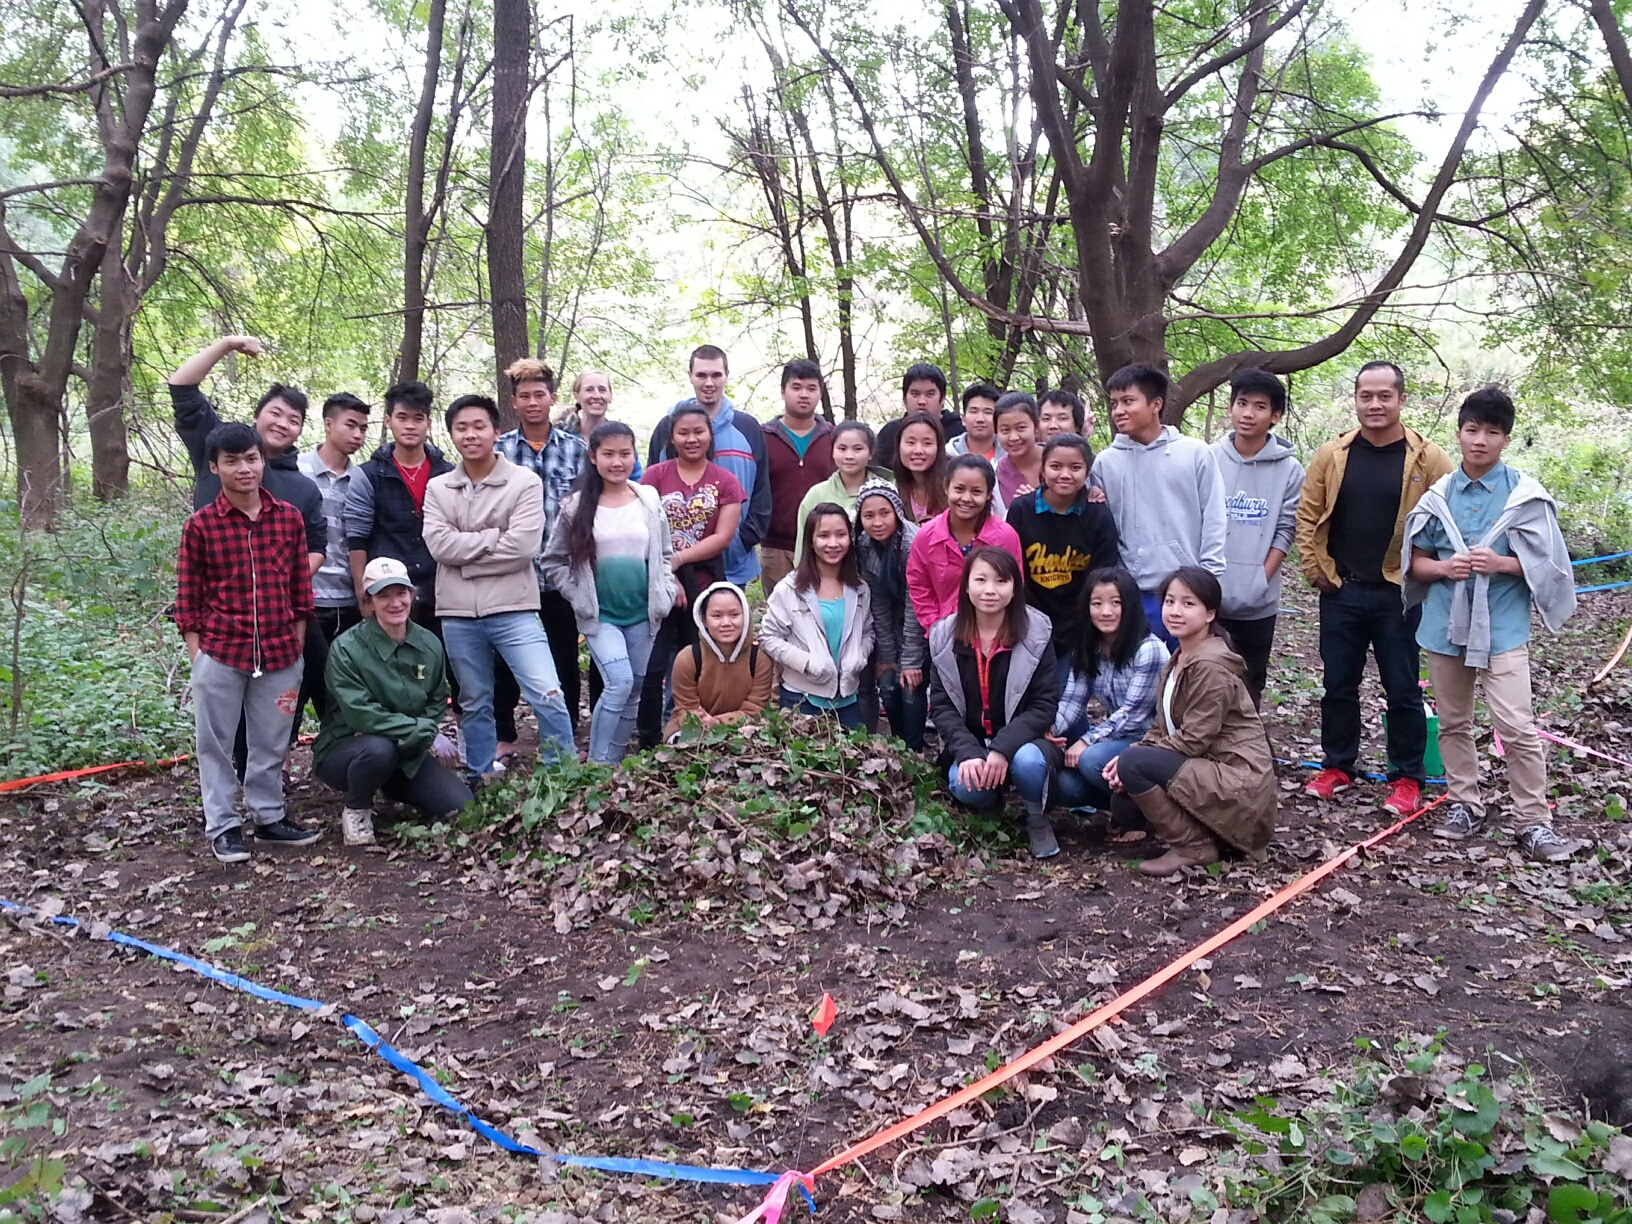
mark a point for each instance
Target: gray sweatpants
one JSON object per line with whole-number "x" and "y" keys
{"x": 267, "y": 703}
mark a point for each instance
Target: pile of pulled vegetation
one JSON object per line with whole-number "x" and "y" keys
{"x": 781, "y": 823}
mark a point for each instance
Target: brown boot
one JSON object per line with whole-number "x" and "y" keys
{"x": 1189, "y": 844}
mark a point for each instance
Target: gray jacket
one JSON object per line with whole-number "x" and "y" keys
{"x": 1168, "y": 503}
{"x": 1261, "y": 512}
{"x": 791, "y": 632}
{"x": 1031, "y": 671}
{"x": 1530, "y": 522}
{"x": 897, "y": 636}
{"x": 578, "y": 584}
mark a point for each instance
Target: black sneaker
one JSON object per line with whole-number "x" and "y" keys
{"x": 1540, "y": 844}
{"x": 229, "y": 847}
{"x": 1459, "y": 823}
{"x": 286, "y": 832}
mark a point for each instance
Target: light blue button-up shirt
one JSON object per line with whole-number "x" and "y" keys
{"x": 1475, "y": 505}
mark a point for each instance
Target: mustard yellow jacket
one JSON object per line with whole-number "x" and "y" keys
{"x": 1424, "y": 464}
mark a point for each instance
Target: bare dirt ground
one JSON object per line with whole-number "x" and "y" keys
{"x": 686, "y": 1036}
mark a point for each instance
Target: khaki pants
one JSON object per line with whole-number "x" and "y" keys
{"x": 775, "y": 564}
{"x": 1507, "y": 692}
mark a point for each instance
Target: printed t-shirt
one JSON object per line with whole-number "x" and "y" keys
{"x": 693, "y": 510}
{"x": 621, "y": 540}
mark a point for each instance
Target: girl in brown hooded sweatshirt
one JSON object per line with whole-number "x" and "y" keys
{"x": 723, "y": 678}
{"x": 1203, "y": 774}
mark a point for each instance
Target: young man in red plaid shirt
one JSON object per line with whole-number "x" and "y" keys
{"x": 243, "y": 598}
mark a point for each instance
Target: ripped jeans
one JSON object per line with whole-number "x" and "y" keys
{"x": 519, "y": 639}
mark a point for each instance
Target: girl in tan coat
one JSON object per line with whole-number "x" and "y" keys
{"x": 1203, "y": 774}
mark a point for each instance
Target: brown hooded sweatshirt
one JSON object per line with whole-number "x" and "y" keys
{"x": 730, "y": 687}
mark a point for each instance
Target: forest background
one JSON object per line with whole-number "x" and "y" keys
{"x": 1028, "y": 193}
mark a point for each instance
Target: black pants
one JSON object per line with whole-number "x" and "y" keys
{"x": 1254, "y": 639}
{"x": 1141, "y": 768}
{"x": 362, "y": 765}
{"x": 677, "y": 632}
{"x": 561, "y": 627}
{"x": 1356, "y": 617}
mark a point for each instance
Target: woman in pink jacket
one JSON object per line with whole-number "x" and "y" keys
{"x": 935, "y": 564}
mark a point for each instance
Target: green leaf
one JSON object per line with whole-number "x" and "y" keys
{"x": 1550, "y": 1164}
{"x": 1565, "y": 1203}
{"x": 1437, "y": 1206}
{"x": 985, "y": 1209}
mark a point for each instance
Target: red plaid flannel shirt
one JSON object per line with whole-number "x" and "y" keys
{"x": 245, "y": 587}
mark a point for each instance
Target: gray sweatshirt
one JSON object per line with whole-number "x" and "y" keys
{"x": 1261, "y": 503}
{"x": 1168, "y": 503}
{"x": 1530, "y": 522}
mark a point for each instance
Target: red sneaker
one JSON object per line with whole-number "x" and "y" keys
{"x": 1404, "y": 797}
{"x": 1328, "y": 782}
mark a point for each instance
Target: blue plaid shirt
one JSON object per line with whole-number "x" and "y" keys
{"x": 1127, "y": 693}
{"x": 558, "y": 463}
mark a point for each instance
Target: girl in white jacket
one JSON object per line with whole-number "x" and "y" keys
{"x": 818, "y": 623}
{"x": 609, "y": 554}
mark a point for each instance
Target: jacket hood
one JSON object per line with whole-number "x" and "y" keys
{"x": 701, "y": 602}
{"x": 1214, "y": 649}
{"x": 285, "y": 461}
{"x": 1161, "y": 441}
{"x": 1276, "y": 450}
{"x": 384, "y": 453}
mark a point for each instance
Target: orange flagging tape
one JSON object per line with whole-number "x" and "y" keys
{"x": 1115, "y": 1007}
{"x": 68, "y": 774}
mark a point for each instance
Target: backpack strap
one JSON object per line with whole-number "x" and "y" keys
{"x": 697, "y": 659}
{"x": 753, "y": 659}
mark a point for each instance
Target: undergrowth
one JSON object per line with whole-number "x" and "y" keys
{"x": 1418, "y": 1134}
{"x": 91, "y": 670}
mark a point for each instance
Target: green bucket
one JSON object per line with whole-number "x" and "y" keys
{"x": 1432, "y": 763}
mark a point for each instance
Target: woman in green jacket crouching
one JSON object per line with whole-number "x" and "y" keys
{"x": 388, "y": 688}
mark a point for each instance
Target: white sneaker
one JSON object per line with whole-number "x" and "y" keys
{"x": 357, "y": 826}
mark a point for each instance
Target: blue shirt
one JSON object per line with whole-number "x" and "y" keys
{"x": 1079, "y": 506}
{"x": 801, "y": 442}
{"x": 833, "y": 627}
{"x": 1475, "y": 505}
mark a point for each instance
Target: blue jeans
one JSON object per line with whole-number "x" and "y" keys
{"x": 907, "y": 709}
{"x": 968, "y": 797}
{"x": 1040, "y": 764}
{"x": 1153, "y": 613}
{"x": 621, "y": 653}
{"x": 518, "y": 637}
{"x": 850, "y": 716}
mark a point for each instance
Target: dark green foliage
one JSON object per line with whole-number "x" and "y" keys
{"x": 97, "y": 666}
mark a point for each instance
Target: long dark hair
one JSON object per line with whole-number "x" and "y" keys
{"x": 1204, "y": 585}
{"x": 580, "y": 525}
{"x": 690, "y": 408}
{"x": 934, "y": 479}
{"x": 1014, "y": 619}
{"x": 809, "y": 575}
{"x": 978, "y": 464}
{"x": 1086, "y": 652}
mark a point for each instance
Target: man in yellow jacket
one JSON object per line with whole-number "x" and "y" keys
{"x": 1359, "y": 489}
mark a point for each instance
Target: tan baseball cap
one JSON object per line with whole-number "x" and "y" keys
{"x": 385, "y": 572}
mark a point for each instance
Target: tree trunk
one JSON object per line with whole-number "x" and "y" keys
{"x": 35, "y": 428}
{"x": 105, "y": 389}
{"x": 507, "y": 161}
{"x": 416, "y": 224}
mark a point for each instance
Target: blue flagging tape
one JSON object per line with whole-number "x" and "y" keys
{"x": 1365, "y": 777}
{"x": 436, "y": 1092}
{"x": 1602, "y": 586}
{"x": 1608, "y": 557}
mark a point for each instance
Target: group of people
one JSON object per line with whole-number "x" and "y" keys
{"x": 1092, "y": 632}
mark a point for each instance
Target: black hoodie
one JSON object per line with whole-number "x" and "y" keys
{"x": 196, "y": 417}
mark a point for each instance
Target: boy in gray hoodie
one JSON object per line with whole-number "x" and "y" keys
{"x": 1162, "y": 489}
{"x": 1263, "y": 481}
{"x": 1479, "y": 548}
